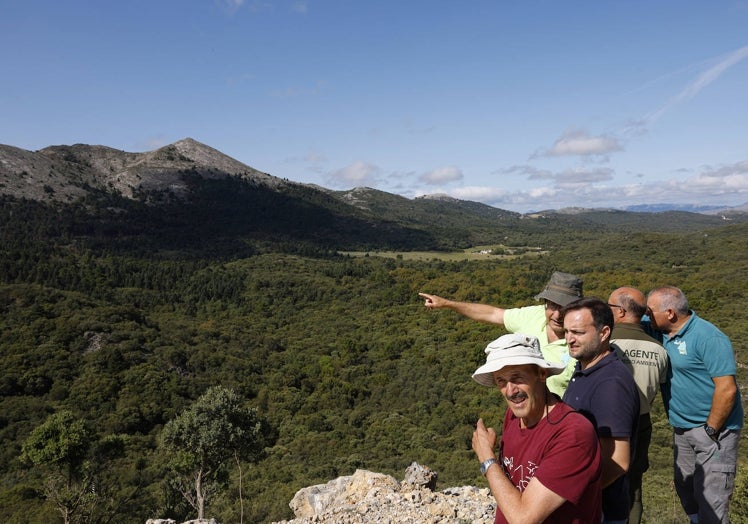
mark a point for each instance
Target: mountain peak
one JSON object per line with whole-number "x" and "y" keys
{"x": 65, "y": 173}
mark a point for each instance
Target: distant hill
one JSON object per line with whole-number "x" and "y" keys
{"x": 190, "y": 196}
{"x": 707, "y": 210}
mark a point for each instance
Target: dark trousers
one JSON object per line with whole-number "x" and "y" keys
{"x": 639, "y": 465}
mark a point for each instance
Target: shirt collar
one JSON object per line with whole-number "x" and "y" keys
{"x": 607, "y": 359}
{"x": 685, "y": 327}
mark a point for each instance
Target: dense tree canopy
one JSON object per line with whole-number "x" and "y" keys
{"x": 337, "y": 356}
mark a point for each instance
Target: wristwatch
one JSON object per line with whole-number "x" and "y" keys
{"x": 487, "y": 464}
{"x": 712, "y": 432}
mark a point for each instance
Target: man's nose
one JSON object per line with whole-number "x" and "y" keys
{"x": 510, "y": 388}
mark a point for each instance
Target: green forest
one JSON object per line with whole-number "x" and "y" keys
{"x": 328, "y": 363}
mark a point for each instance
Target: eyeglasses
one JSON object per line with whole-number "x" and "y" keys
{"x": 616, "y": 305}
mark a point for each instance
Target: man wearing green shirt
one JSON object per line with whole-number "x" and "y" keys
{"x": 542, "y": 321}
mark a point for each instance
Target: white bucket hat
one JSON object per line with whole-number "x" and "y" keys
{"x": 513, "y": 350}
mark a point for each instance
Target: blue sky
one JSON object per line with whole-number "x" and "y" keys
{"x": 521, "y": 105}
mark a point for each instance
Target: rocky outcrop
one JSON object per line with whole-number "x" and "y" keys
{"x": 172, "y": 521}
{"x": 366, "y": 497}
{"x": 66, "y": 173}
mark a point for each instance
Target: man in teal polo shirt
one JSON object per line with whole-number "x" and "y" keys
{"x": 542, "y": 321}
{"x": 703, "y": 405}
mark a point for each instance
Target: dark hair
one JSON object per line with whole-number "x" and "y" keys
{"x": 601, "y": 313}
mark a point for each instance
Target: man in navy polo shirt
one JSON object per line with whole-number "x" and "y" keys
{"x": 702, "y": 403}
{"x": 603, "y": 389}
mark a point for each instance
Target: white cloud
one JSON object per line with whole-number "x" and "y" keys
{"x": 723, "y": 186}
{"x": 257, "y": 6}
{"x": 540, "y": 193}
{"x": 400, "y": 180}
{"x": 442, "y": 175}
{"x": 583, "y": 177}
{"x": 593, "y": 188}
{"x": 579, "y": 143}
{"x": 357, "y": 174}
{"x": 545, "y": 197}
{"x": 479, "y": 193}
{"x": 729, "y": 179}
{"x": 532, "y": 173}
{"x": 300, "y": 6}
{"x": 702, "y": 81}
{"x": 230, "y": 6}
{"x": 738, "y": 168}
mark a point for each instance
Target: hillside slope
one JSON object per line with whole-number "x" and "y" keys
{"x": 190, "y": 196}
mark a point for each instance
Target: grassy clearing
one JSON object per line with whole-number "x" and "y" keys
{"x": 489, "y": 253}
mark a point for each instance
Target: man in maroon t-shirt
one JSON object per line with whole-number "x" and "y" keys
{"x": 548, "y": 467}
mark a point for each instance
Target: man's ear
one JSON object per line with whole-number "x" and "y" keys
{"x": 605, "y": 333}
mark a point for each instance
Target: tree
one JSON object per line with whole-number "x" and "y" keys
{"x": 59, "y": 446}
{"x": 213, "y": 431}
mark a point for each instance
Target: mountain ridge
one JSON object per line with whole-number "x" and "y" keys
{"x": 66, "y": 172}
{"x": 190, "y": 196}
